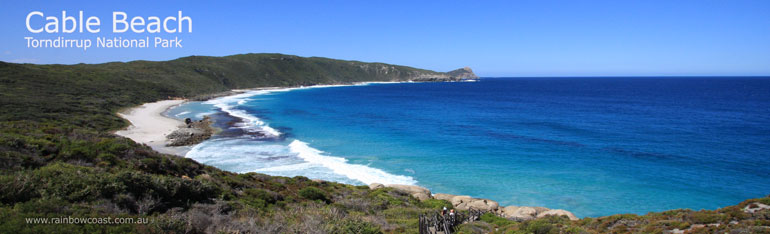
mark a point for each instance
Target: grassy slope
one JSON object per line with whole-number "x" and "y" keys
{"x": 58, "y": 159}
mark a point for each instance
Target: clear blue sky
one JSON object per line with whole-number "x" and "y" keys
{"x": 495, "y": 38}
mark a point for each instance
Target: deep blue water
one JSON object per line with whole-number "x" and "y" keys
{"x": 594, "y": 146}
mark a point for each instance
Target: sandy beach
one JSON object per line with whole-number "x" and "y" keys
{"x": 149, "y": 126}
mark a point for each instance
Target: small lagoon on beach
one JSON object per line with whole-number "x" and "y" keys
{"x": 594, "y": 146}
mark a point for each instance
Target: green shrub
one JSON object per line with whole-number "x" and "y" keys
{"x": 764, "y": 200}
{"x": 18, "y": 187}
{"x": 540, "y": 226}
{"x": 496, "y": 220}
{"x": 260, "y": 198}
{"x": 313, "y": 193}
{"x": 704, "y": 217}
{"x": 384, "y": 197}
{"x": 353, "y": 226}
{"x": 474, "y": 227}
{"x": 436, "y": 204}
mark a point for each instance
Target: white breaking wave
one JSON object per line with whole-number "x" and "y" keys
{"x": 229, "y": 105}
{"x": 182, "y": 113}
{"x": 242, "y": 156}
{"x": 338, "y": 165}
{"x": 203, "y": 114}
{"x": 290, "y": 167}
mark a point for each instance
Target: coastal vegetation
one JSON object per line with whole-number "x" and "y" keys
{"x": 59, "y": 158}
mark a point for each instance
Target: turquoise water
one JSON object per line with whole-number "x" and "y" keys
{"x": 594, "y": 146}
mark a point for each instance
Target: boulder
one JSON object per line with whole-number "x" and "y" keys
{"x": 541, "y": 209}
{"x": 444, "y": 196}
{"x": 421, "y": 196}
{"x": 522, "y": 213}
{"x": 483, "y": 204}
{"x": 376, "y": 186}
{"x": 505, "y": 210}
{"x": 457, "y": 200}
{"x": 467, "y": 202}
{"x": 408, "y": 188}
{"x": 416, "y": 191}
{"x": 558, "y": 212}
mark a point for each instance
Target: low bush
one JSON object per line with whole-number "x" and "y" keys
{"x": 436, "y": 204}
{"x": 313, "y": 193}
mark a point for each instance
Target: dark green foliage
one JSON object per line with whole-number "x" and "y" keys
{"x": 436, "y": 204}
{"x": 313, "y": 193}
{"x": 88, "y": 95}
{"x": 353, "y": 226}
{"x": 496, "y": 220}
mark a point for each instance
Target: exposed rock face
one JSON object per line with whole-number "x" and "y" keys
{"x": 418, "y": 192}
{"x": 484, "y": 204}
{"x": 520, "y": 213}
{"x": 540, "y": 209}
{"x": 421, "y": 196}
{"x": 463, "y": 73}
{"x": 376, "y": 186}
{"x": 443, "y": 196}
{"x": 457, "y": 200}
{"x": 455, "y": 75}
{"x": 193, "y": 132}
{"x": 467, "y": 202}
{"x": 529, "y": 213}
{"x": 755, "y": 207}
{"x": 558, "y": 212}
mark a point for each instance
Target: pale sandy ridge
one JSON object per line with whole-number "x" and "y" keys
{"x": 149, "y": 126}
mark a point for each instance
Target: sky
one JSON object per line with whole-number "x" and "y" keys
{"x": 495, "y": 38}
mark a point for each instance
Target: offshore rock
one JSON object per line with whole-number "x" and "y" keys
{"x": 193, "y": 132}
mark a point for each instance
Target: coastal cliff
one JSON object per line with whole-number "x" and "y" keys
{"x": 463, "y": 73}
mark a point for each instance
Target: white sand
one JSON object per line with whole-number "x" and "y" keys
{"x": 149, "y": 126}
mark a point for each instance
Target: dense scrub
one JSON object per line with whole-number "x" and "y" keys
{"x": 55, "y": 171}
{"x": 59, "y": 159}
{"x": 88, "y": 95}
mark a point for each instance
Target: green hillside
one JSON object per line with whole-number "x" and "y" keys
{"x": 59, "y": 159}
{"x": 87, "y": 95}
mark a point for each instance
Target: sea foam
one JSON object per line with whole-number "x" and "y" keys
{"x": 339, "y": 165}
{"x": 241, "y": 155}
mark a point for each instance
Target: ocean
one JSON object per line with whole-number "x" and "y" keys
{"x": 593, "y": 146}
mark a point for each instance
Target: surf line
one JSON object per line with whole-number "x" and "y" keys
{"x": 311, "y": 156}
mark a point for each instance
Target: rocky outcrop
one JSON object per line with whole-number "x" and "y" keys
{"x": 467, "y": 202}
{"x": 463, "y": 73}
{"x": 443, "y": 196}
{"x": 376, "y": 186}
{"x": 418, "y": 192}
{"x": 557, "y": 212}
{"x": 529, "y": 213}
{"x": 519, "y": 213}
{"x": 193, "y": 132}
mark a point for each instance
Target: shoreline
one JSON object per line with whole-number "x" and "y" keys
{"x": 149, "y": 126}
